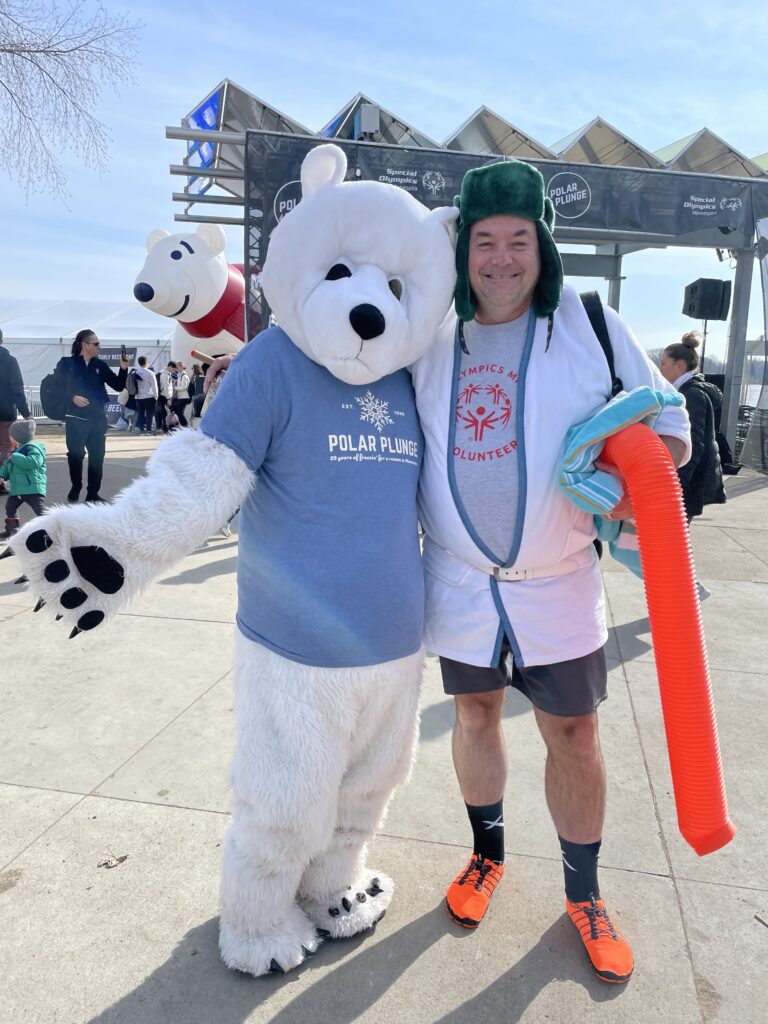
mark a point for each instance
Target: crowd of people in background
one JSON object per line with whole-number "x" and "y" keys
{"x": 162, "y": 401}
{"x": 152, "y": 402}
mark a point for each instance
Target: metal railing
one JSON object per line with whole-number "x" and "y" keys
{"x": 33, "y": 401}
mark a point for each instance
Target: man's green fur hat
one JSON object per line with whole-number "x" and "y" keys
{"x": 516, "y": 189}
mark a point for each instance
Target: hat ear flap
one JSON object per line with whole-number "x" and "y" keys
{"x": 549, "y": 213}
{"x": 464, "y": 300}
{"x": 549, "y": 289}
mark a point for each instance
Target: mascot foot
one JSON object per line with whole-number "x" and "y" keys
{"x": 276, "y": 952}
{"x": 353, "y": 909}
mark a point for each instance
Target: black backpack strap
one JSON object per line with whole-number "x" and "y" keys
{"x": 594, "y": 309}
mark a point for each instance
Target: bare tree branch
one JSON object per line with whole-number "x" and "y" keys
{"x": 55, "y": 62}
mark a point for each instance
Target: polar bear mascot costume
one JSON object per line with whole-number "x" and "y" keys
{"x": 314, "y": 433}
{"x": 186, "y": 277}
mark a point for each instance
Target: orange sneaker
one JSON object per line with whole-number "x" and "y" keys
{"x": 470, "y": 892}
{"x": 607, "y": 949}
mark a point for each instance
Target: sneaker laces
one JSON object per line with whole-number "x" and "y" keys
{"x": 599, "y": 921}
{"x": 481, "y": 867}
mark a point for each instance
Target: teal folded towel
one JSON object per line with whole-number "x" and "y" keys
{"x": 596, "y": 491}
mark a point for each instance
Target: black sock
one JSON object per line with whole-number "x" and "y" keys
{"x": 488, "y": 829}
{"x": 580, "y": 869}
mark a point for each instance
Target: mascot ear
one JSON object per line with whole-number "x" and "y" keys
{"x": 214, "y": 236}
{"x": 156, "y": 236}
{"x": 446, "y": 216}
{"x": 322, "y": 166}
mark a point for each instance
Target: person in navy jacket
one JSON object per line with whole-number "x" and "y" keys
{"x": 87, "y": 378}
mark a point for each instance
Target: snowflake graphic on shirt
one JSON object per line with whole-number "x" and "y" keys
{"x": 374, "y": 411}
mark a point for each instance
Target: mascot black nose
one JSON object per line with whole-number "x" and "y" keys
{"x": 367, "y": 321}
{"x": 143, "y": 292}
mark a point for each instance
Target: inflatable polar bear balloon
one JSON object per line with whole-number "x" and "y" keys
{"x": 327, "y": 664}
{"x": 186, "y": 277}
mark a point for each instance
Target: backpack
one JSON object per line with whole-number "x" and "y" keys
{"x": 54, "y": 394}
{"x": 593, "y": 307}
{"x": 132, "y": 383}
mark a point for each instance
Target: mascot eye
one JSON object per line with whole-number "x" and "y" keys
{"x": 396, "y": 288}
{"x": 337, "y": 271}
{"x": 176, "y": 255}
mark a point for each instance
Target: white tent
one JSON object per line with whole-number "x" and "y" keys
{"x": 39, "y": 332}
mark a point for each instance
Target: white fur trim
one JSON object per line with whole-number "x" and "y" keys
{"x": 193, "y": 485}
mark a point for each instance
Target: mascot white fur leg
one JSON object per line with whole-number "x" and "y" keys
{"x": 317, "y": 756}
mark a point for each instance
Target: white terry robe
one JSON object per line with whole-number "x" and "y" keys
{"x": 548, "y": 619}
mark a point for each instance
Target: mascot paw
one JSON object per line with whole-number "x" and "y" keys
{"x": 284, "y": 947}
{"x": 354, "y": 908}
{"x": 70, "y": 568}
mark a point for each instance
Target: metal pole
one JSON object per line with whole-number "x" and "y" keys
{"x": 189, "y": 218}
{"x": 614, "y": 292}
{"x": 190, "y": 197}
{"x": 614, "y": 283}
{"x": 737, "y": 344}
{"x": 205, "y": 172}
{"x": 195, "y": 134}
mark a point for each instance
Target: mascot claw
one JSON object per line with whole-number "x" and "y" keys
{"x": 279, "y": 951}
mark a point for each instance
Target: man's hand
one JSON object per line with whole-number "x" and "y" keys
{"x": 124, "y": 364}
{"x": 623, "y": 510}
{"x": 219, "y": 363}
{"x": 80, "y": 402}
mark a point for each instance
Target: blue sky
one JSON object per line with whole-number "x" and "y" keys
{"x": 657, "y": 71}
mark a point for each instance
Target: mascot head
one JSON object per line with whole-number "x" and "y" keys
{"x": 359, "y": 274}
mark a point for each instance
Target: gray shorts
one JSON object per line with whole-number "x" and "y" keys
{"x": 567, "y": 688}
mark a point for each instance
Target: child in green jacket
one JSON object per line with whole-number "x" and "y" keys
{"x": 25, "y": 471}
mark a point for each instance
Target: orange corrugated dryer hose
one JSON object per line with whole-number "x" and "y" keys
{"x": 678, "y": 636}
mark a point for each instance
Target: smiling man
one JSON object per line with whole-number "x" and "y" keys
{"x": 514, "y": 592}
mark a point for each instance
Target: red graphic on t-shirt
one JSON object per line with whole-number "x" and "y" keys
{"x": 473, "y": 412}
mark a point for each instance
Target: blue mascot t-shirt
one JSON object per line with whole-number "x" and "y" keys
{"x": 329, "y": 568}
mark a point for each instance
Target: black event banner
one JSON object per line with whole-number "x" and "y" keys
{"x": 110, "y": 355}
{"x": 592, "y": 202}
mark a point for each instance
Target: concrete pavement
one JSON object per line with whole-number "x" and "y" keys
{"x": 114, "y": 748}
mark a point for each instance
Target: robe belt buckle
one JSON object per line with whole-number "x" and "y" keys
{"x": 509, "y": 575}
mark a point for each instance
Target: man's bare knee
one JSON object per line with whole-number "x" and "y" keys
{"x": 479, "y": 712}
{"x": 573, "y": 737}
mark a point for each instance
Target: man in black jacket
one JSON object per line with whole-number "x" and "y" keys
{"x": 12, "y": 401}
{"x": 86, "y": 419}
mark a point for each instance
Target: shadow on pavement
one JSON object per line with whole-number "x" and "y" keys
{"x": 194, "y": 987}
{"x": 224, "y": 567}
{"x": 627, "y": 637}
{"x": 555, "y": 957}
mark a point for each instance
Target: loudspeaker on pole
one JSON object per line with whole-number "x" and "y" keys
{"x": 707, "y": 299}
